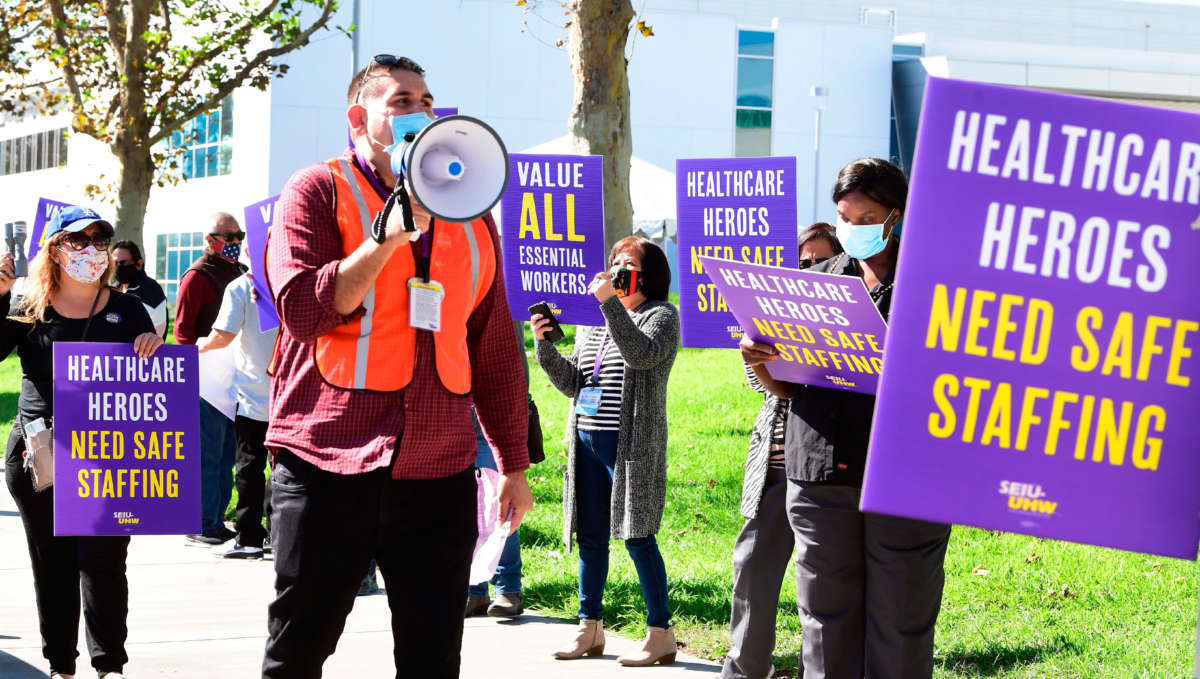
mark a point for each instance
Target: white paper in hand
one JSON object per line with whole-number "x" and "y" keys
{"x": 216, "y": 380}
{"x": 492, "y": 535}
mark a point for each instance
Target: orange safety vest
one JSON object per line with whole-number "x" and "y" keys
{"x": 376, "y": 351}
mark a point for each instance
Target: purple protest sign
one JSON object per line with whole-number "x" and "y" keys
{"x": 825, "y": 327}
{"x": 46, "y": 209}
{"x": 126, "y": 440}
{"x": 730, "y": 208}
{"x": 443, "y": 112}
{"x": 552, "y": 228}
{"x": 1040, "y": 357}
{"x": 259, "y": 218}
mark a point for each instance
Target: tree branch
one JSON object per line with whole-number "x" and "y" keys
{"x": 217, "y": 50}
{"x": 60, "y": 38}
{"x": 166, "y": 127}
{"x": 116, "y": 28}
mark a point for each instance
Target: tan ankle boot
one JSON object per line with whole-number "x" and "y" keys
{"x": 659, "y": 647}
{"x": 589, "y": 640}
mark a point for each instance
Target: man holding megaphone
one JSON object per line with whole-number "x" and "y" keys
{"x": 386, "y": 273}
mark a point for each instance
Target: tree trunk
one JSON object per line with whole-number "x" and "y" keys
{"x": 133, "y": 191}
{"x": 599, "y": 121}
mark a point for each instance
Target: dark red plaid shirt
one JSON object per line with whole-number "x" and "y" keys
{"x": 425, "y": 428}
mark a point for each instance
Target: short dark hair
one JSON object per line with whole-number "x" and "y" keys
{"x": 129, "y": 245}
{"x": 656, "y": 270}
{"x": 820, "y": 230}
{"x": 876, "y": 179}
{"x": 361, "y": 81}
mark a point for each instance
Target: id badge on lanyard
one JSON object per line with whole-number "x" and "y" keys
{"x": 425, "y": 304}
{"x": 588, "y": 401}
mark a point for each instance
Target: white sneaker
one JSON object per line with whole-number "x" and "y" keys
{"x": 238, "y": 551}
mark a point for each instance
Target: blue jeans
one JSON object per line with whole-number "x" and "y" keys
{"x": 218, "y": 452}
{"x": 508, "y": 574}
{"x": 595, "y": 456}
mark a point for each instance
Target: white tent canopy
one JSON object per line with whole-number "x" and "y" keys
{"x": 651, "y": 188}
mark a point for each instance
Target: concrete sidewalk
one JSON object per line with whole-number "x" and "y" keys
{"x": 192, "y": 615}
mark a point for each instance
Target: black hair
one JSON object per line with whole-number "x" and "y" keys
{"x": 656, "y": 270}
{"x": 132, "y": 247}
{"x": 876, "y": 179}
{"x": 821, "y": 230}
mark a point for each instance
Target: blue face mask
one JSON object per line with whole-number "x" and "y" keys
{"x": 862, "y": 241}
{"x": 406, "y": 124}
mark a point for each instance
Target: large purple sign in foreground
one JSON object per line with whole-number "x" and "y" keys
{"x": 729, "y": 208}
{"x": 552, "y": 223}
{"x": 824, "y": 327}
{"x": 1042, "y": 356}
{"x": 126, "y": 440}
{"x": 259, "y": 218}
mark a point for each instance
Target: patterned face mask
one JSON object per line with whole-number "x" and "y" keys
{"x": 231, "y": 251}
{"x": 86, "y": 265}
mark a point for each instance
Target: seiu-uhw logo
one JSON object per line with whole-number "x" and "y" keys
{"x": 840, "y": 381}
{"x": 1027, "y": 498}
{"x": 126, "y": 518}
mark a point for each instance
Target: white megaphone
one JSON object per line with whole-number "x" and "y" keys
{"x": 456, "y": 167}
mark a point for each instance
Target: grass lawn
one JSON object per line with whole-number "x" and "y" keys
{"x": 1014, "y": 606}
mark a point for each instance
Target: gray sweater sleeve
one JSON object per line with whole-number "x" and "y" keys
{"x": 645, "y": 344}
{"x": 563, "y": 373}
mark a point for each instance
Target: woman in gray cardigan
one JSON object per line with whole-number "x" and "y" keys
{"x": 616, "y": 479}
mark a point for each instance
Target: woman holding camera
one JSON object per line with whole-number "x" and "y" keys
{"x": 869, "y": 586}
{"x": 67, "y": 299}
{"x": 616, "y": 479}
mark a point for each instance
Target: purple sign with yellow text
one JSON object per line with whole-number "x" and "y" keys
{"x": 126, "y": 440}
{"x": 46, "y": 209}
{"x": 552, "y": 228}
{"x": 259, "y": 218}
{"x": 1044, "y": 331}
{"x": 729, "y": 208}
{"x": 824, "y": 327}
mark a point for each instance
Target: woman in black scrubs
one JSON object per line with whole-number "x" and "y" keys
{"x": 66, "y": 298}
{"x": 869, "y": 586}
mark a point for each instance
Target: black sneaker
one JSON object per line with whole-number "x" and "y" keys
{"x": 223, "y": 531}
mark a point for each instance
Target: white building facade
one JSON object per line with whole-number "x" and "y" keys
{"x": 717, "y": 79}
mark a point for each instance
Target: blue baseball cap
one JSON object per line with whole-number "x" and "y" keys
{"x": 74, "y": 219}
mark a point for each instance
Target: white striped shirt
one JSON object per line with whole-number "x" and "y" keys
{"x": 612, "y": 382}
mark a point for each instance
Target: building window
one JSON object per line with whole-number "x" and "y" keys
{"x": 176, "y": 252}
{"x": 207, "y": 142}
{"x": 37, "y": 151}
{"x": 755, "y": 79}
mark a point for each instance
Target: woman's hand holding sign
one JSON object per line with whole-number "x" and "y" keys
{"x": 145, "y": 344}
{"x": 757, "y": 355}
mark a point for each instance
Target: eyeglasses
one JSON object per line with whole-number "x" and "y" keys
{"x": 229, "y": 237}
{"x": 80, "y": 241}
{"x": 810, "y": 263}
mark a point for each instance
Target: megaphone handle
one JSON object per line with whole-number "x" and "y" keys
{"x": 379, "y": 226}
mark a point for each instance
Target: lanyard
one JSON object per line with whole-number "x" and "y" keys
{"x": 424, "y": 247}
{"x": 599, "y": 358}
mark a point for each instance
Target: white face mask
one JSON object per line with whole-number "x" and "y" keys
{"x": 86, "y": 265}
{"x": 862, "y": 241}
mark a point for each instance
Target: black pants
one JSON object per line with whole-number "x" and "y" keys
{"x": 254, "y": 495}
{"x": 327, "y": 527}
{"x": 63, "y": 567}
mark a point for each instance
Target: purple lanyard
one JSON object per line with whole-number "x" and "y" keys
{"x": 599, "y": 357}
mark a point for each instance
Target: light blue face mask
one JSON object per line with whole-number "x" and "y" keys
{"x": 410, "y": 123}
{"x": 862, "y": 241}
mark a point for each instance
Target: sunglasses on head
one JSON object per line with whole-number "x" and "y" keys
{"x": 391, "y": 61}
{"x": 80, "y": 240}
{"x": 229, "y": 237}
